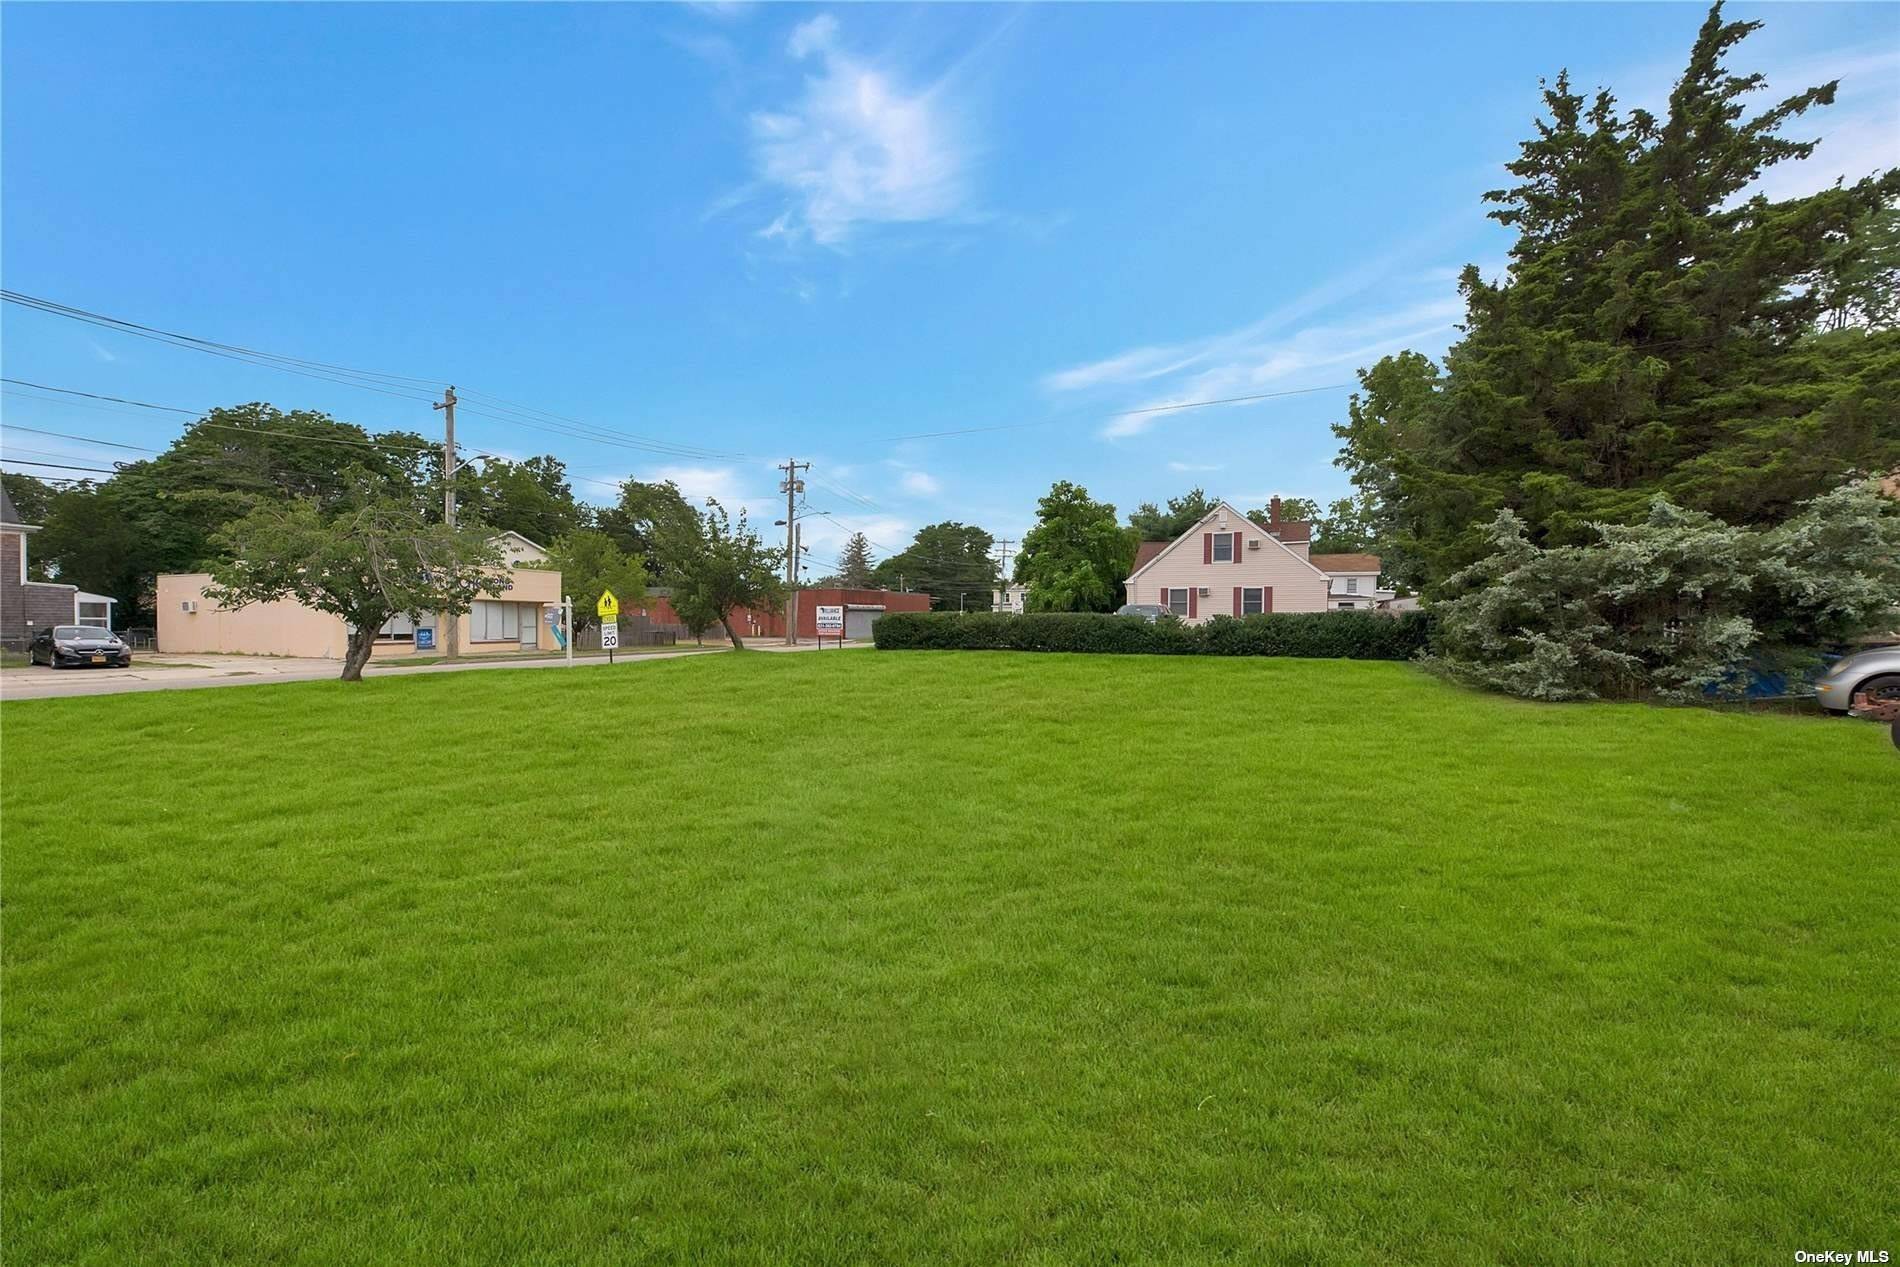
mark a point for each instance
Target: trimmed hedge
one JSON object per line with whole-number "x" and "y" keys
{"x": 1311, "y": 635}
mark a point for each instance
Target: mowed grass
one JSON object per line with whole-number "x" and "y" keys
{"x": 907, "y": 957}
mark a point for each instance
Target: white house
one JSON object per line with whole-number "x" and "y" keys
{"x": 1228, "y": 565}
{"x": 1355, "y": 582}
{"x": 1009, "y": 599}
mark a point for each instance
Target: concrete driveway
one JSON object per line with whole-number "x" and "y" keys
{"x": 157, "y": 672}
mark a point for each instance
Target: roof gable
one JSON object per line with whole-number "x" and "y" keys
{"x": 8, "y": 515}
{"x": 1144, "y": 560}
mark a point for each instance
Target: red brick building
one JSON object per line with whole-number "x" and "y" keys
{"x": 28, "y": 606}
{"x": 861, "y": 610}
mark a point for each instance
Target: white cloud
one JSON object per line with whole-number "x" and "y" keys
{"x": 1853, "y": 144}
{"x": 859, "y": 147}
{"x": 1189, "y": 468}
{"x": 696, "y": 483}
{"x": 824, "y": 537}
{"x": 720, "y": 10}
{"x": 1254, "y": 360}
{"x": 921, "y": 484}
{"x": 1153, "y": 362}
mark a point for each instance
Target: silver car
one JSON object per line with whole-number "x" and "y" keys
{"x": 1875, "y": 672}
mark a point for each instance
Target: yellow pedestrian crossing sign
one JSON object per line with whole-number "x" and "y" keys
{"x": 608, "y": 607}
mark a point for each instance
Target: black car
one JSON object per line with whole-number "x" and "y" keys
{"x": 70, "y": 646}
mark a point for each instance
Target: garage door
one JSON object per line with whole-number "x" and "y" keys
{"x": 858, "y": 624}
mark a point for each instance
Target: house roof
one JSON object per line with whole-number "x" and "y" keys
{"x": 1347, "y": 562}
{"x": 533, "y": 545}
{"x": 8, "y": 515}
{"x": 1143, "y": 557}
{"x": 1293, "y": 530}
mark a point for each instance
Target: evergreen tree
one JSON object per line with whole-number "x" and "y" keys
{"x": 854, "y": 563}
{"x": 1654, "y": 335}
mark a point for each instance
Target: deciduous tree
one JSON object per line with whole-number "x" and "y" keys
{"x": 591, "y": 562}
{"x": 715, "y": 565}
{"x": 1077, "y": 555}
{"x": 1151, "y": 523}
{"x": 644, "y": 515}
{"x": 366, "y": 561}
{"x": 948, "y": 561}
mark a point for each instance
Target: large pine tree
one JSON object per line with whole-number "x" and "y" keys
{"x": 854, "y": 562}
{"x": 1658, "y": 331}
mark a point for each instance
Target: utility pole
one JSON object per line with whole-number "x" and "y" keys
{"x": 1002, "y": 570}
{"x": 793, "y": 486}
{"x": 452, "y": 635}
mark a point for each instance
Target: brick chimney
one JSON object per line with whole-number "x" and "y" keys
{"x": 1273, "y": 511}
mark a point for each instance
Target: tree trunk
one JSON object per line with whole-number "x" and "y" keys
{"x": 357, "y": 653}
{"x": 732, "y": 635}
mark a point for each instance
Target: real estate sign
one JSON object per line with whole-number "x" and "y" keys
{"x": 831, "y": 621}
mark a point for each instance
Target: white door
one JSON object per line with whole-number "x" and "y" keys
{"x": 529, "y": 614}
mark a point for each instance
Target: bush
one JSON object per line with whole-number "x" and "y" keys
{"x": 1320, "y": 635}
{"x": 1679, "y": 607}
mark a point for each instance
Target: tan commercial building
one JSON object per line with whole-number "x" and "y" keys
{"x": 513, "y": 618}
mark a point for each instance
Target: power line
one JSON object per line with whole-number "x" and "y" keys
{"x": 110, "y": 444}
{"x": 405, "y": 387}
{"x": 119, "y": 400}
{"x": 100, "y": 470}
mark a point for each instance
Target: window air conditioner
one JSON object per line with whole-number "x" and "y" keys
{"x": 1203, "y": 591}
{"x": 1253, "y": 543}
{"x": 188, "y": 605}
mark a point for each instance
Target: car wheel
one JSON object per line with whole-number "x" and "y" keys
{"x": 1880, "y": 689}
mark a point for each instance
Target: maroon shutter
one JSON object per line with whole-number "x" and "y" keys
{"x": 1236, "y": 600}
{"x": 1164, "y": 598}
{"x": 1207, "y": 547}
{"x": 1192, "y": 605}
{"x": 1236, "y": 548}
{"x": 1266, "y": 599}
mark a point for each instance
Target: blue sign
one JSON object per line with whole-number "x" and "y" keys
{"x": 425, "y": 639}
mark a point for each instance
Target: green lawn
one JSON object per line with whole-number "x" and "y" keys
{"x": 907, "y": 957}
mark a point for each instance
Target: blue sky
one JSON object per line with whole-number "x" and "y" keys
{"x": 790, "y": 230}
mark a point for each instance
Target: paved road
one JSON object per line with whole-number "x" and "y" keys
{"x": 189, "y": 672}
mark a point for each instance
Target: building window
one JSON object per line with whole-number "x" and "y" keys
{"x": 1178, "y": 602}
{"x": 494, "y": 622}
{"x": 1345, "y": 607}
{"x": 403, "y": 629}
{"x": 1223, "y": 547}
{"x": 1252, "y": 602}
{"x": 95, "y": 615}
{"x": 1352, "y": 585}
